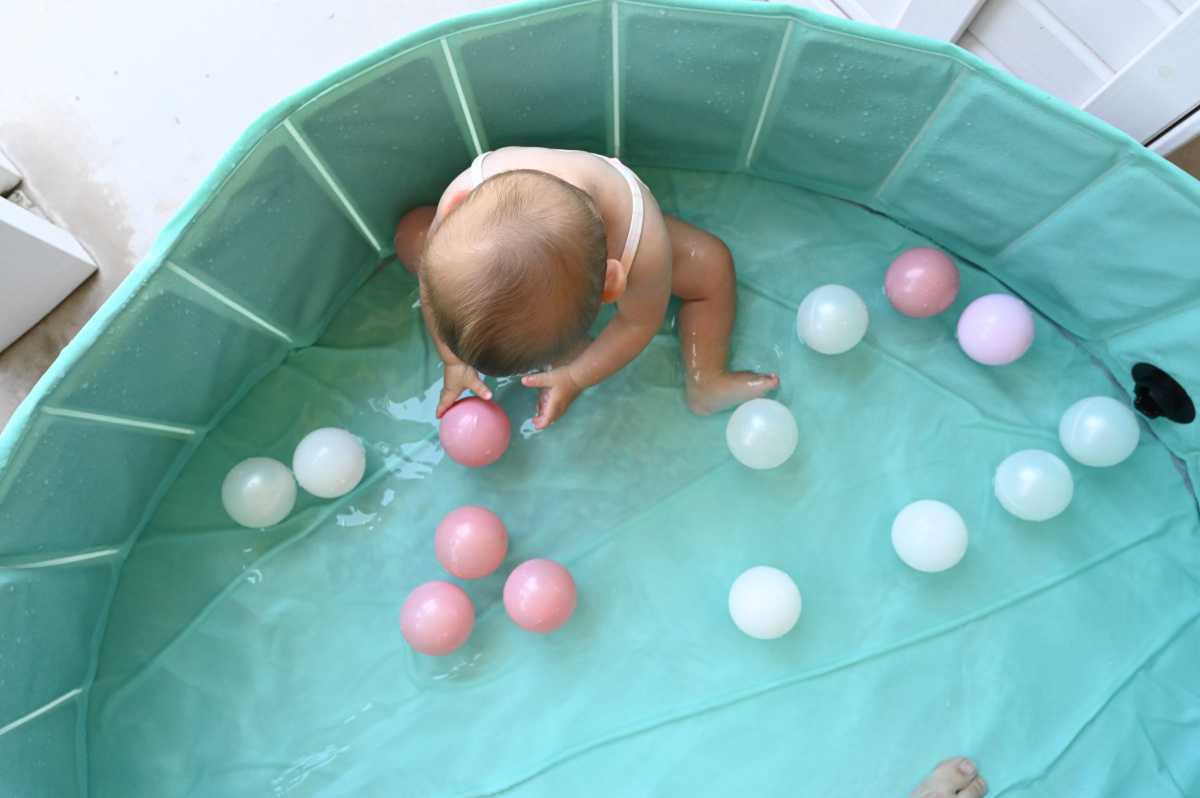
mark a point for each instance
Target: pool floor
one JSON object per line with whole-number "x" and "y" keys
{"x": 247, "y": 663}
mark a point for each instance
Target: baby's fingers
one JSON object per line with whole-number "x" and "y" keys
{"x": 550, "y": 407}
{"x": 476, "y": 384}
{"x": 450, "y": 394}
{"x": 540, "y": 380}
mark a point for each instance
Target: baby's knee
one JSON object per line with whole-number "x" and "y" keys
{"x": 409, "y": 238}
{"x": 720, "y": 261}
{"x": 710, "y": 254}
{"x": 718, "y": 252}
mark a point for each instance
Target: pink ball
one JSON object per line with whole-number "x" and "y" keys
{"x": 437, "y": 618}
{"x": 921, "y": 282}
{"x": 995, "y": 329}
{"x": 471, "y": 542}
{"x": 475, "y": 432}
{"x": 539, "y": 595}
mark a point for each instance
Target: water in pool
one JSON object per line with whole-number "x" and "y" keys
{"x": 249, "y": 663}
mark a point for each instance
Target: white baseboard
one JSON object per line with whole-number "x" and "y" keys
{"x": 9, "y": 177}
{"x": 40, "y": 265}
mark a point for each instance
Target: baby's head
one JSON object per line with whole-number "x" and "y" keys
{"x": 514, "y": 273}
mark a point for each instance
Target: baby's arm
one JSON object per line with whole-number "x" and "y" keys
{"x": 623, "y": 339}
{"x": 639, "y": 316}
{"x": 410, "y": 240}
{"x": 457, "y": 375}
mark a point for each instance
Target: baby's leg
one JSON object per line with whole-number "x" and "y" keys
{"x": 703, "y": 277}
{"x": 410, "y": 235}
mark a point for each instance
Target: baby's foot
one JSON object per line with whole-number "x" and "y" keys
{"x": 954, "y": 778}
{"x": 707, "y": 395}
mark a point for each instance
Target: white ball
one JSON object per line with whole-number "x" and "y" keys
{"x": 762, "y": 433}
{"x": 1099, "y": 431}
{"x": 258, "y": 492}
{"x": 329, "y": 462}
{"x": 832, "y": 319}
{"x": 1033, "y": 485}
{"x": 764, "y": 602}
{"x": 929, "y": 536}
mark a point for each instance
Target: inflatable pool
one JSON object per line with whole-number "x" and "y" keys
{"x": 151, "y": 647}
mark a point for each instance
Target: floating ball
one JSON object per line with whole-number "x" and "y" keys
{"x": 471, "y": 542}
{"x": 329, "y": 462}
{"x": 929, "y": 536}
{"x": 762, "y": 433}
{"x": 437, "y": 618}
{"x": 764, "y": 602}
{"x": 475, "y": 432}
{"x": 995, "y": 329}
{"x": 258, "y": 492}
{"x": 539, "y": 595}
{"x": 1033, "y": 485}
{"x": 832, "y": 319}
{"x": 1099, "y": 431}
{"x": 921, "y": 282}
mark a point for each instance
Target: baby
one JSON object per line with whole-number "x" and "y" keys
{"x": 524, "y": 247}
{"x": 514, "y": 263}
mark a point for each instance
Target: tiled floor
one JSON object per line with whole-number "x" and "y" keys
{"x": 128, "y": 108}
{"x": 1187, "y": 157}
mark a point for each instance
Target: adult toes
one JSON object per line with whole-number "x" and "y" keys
{"x": 952, "y": 775}
{"x": 976, "y": 789}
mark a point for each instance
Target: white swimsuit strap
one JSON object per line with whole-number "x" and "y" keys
{"x": 637, "y": 213}
{"x": 477, "y": 169}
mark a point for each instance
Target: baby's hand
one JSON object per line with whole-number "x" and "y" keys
{"x": 460, "y": 377}
{"x": 558, "y": 390}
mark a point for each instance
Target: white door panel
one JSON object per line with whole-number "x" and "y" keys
{"x": 1159, "y": 87}
{"x": 1115, "y": 34}
{"x": 1037, "y": 47}
{"x": 1133, "y": 63}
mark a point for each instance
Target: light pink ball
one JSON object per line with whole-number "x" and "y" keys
{"x": 921, "y": 282}
{"x": 437, "y": 618}
{"x": 471, "y": 542}
{"x": 475, "y": 432}
{"x": 995, "y": 329}
{"x": 539, "y": 595}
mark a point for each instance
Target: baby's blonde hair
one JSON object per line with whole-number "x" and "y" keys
{"x": 513, "y": 275}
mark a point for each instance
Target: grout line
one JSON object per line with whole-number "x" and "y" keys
{"x": 319, "y": 165}
{"x": 70, "y": 559}
{"x": 616, "y": 78}
{"x": 236, "y": 307}
{"x": 462, "y": 97}
{"x": 770, "y": 95}
{"x": 121, "y": 421}
{"x": 37, "y": 713}
{"x": 920, "y": 134}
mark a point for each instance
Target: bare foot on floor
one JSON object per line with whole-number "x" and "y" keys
{"x": 709, "y": 395}
{"x": 954, "y": 778}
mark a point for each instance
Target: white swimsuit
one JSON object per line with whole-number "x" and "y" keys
{"x": 636, "y": 218}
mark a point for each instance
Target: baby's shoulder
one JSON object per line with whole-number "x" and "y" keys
{"x": 652, "y": 264}
{"x": 544, "y": 159}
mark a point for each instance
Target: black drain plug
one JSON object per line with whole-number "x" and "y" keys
{"x": 1156, "y": 394}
